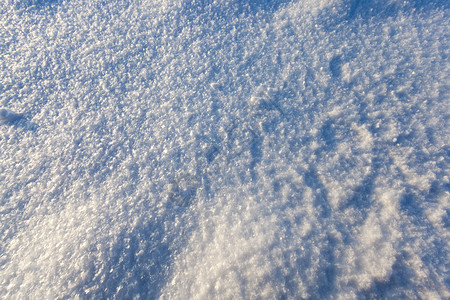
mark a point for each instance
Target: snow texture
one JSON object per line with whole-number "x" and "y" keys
{"x": 226, "y": 149}
{"x": 8, "y": 116}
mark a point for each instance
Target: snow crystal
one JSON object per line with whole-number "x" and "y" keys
{"x": 224, "y": 149}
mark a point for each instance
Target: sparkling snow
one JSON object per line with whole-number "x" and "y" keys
{"x": 224, "y": 149}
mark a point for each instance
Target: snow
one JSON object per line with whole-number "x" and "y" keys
{"x": 224, "y": 149}
{"x": 8, "y": 116}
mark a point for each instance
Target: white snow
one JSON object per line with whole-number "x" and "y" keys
{"x": 224, "y": 149}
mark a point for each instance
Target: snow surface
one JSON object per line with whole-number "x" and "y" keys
{"x": 224, "y": 149}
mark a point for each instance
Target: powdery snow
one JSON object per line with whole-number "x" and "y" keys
{"x": 224, "y": 149}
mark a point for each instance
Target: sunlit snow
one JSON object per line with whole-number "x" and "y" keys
{"x": 227, "y": 149}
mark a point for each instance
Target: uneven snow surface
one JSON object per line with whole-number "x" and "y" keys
{"x": 227, "y": 149}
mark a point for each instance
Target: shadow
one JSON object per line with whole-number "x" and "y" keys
{"x": 328, "y": 132}
{"x": 313, "y": 181}
{"x": 27, "y": 5}
{"x": 327, "y": 271}
{"x": 349, "y": 11}
{"x": 256, "y": 154}
{"x": 212, "y": 11}
{"x": 394, "y": 286}
{"x": 361, "y": 199}
{"x": 370, "y": 8}
{"x": 384, "y": 9}
{"x": 136, "y": 265}
{"x": 425, "y": 5}
{"x": 255, "y": 6}
{"x": 335, "y": 65}
{"x": 21, "y": 123}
